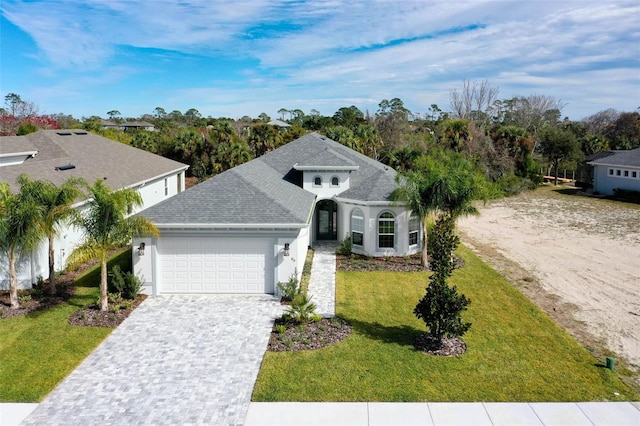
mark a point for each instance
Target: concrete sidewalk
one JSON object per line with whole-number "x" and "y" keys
{"x": 443, "y": 414}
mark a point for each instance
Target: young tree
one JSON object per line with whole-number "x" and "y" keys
{"x": 441, "y": 306}
{"x": 20, "y": 232}
{"x": 107, "y": 226}
{"x": 558, "y": 145}
{"x": 56, "y": 207}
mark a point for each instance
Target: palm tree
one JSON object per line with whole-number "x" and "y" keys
{"x": 56, "y": 203}
{"x": 20, "y": 232}
{"x": 107, "y": 226}
{"x": 443, "y": 182}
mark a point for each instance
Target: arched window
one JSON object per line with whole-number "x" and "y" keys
{"x": 386, "y": 230}
{"x": 414, "y": 229}
{"x": 317, "y": 181}
{"x": 335, "y": 181}
{"x": 357, "y": 227}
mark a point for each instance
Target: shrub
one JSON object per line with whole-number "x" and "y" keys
{"x": 626, "y": 195}
{"x": 345, "y": 246}
{"x": 441, "y": 306}
{"x": 280, "y": 328}
{"x": 125, "y": 283}
{"x": 291, "y": 288}
{"x": 301, "y": 309}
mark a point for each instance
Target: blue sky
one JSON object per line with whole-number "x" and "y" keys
{"x": 229, "y": 59}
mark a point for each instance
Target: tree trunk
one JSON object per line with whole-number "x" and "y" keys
{"x": 52, "y": 272}
{"x": 425, "y": 253}
{"x": 13, "y": 281}
{"x": 555, "y": 180}
{"x": 104, "y": 301}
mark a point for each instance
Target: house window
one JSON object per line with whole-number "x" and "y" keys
{"x": 335, "y": 181}
{"x": 166, "y": 187}
{"x": 414, "y": 230}
{"x": 610, "y": 172}
{"x": 634, "y": 174}
{"x": 626, "y": 173}
{"x": 618, "y": 172}
{"x": 317, "y": 181}
{"x": 357, "y": 227}
{"x": 179, "y": 180}
{"x": 386, "y": 230}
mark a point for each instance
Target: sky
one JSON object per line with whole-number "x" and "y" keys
{"x": 244, "y": 57}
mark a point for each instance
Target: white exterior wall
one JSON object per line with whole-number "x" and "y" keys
{"x": 326, "y": 190}
{"x": 37, "y": 264}
{"x": 605, "y": 183}
{"x": 371, "y": 214}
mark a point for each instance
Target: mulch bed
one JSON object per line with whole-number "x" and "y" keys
{"x": 357, "y": 262}
{"x": 35, "y": 300}
{"x": 94, "y": 317}
{"x": 451, "y": 346}
{"x": 312, "y": 335}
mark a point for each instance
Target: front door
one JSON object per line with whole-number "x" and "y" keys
{"x": 327, "y": 220}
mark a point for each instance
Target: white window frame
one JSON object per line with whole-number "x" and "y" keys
{"x": 383, "y": 219}
{"x": 414, "y": 229}
{"x": 357, "y": 215}
{"x": 317, "y": 185}
{"x": 337, "y": 179}
{"x": 166, "y": 187}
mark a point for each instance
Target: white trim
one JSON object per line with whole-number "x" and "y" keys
{"x": 19, "y": 154}
{"x": 325, "y": 168}
{"x": 223, "y": 226}
{"x": 370, "y": 203}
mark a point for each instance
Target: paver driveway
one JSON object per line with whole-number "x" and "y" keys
{"x": 175, "y": 360}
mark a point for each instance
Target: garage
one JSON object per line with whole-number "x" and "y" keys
{"x": 215, "y": 265}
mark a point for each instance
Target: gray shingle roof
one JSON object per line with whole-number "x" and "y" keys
{"x": 267, "y": 191}
{"x": 630, "y": 158}
{"x": 93, "y": 156}
{"x": 326, "y": 159}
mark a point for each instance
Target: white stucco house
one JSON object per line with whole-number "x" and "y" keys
{"x": 56, "y": 155}
{"x": 248, "y": 228}
{"x": 616, "y": 170}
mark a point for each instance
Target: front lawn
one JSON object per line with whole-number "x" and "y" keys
{"x": 38, "y": 350}
{"x": 515, "y": 352}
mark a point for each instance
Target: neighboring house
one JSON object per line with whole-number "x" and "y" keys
{"x": 137, "y": 125}
{"x": 56, "y": 155}
{"x": 106, "y": 124}
{"x": 615, "y": 170}
{"x": 248, "y": 228}
{"x": 279, "y": 123}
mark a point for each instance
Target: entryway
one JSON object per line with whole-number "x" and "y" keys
{"x": 326, "y": 218}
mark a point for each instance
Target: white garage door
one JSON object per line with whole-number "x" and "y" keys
{"x": 215, "y": 265}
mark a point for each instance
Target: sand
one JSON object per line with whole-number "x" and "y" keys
{"x": 585, "y": 251}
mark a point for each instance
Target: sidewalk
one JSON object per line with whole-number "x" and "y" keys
{"x": 443, "y": 414}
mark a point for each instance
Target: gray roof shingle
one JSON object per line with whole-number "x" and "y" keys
{"x": 630, "y": 157}
{"x": 267, "y": 190}
{"x": 93, "y": 156}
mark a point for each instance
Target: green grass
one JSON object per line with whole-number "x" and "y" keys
{"x": 515, "y": 352}
{"x": 38, "y": 350}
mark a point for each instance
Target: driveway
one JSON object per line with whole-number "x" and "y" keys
{"x": 175, "y": 360}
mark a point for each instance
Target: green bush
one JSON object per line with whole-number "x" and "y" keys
{"x": 626, "y": 195}
{"x": 291, "y": 288}
{"x": 345, "y": 246}
{"x": 125, "y": 283}
{"x": 301, "y": 310}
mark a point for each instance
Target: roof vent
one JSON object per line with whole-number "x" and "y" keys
{"x": 64, "y": 133}
{"x": 65, "y": 167}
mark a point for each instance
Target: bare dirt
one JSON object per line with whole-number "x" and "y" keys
{"x": 576, "y": 257}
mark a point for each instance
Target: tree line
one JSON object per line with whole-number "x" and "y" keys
{"x": 509, "y": 140}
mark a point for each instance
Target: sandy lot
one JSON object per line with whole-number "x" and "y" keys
{"x": 582, "y": 254}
